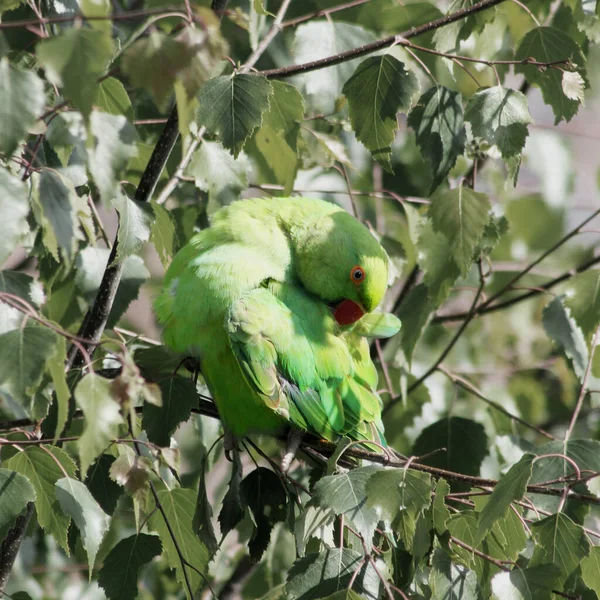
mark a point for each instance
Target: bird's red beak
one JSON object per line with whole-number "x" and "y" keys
{"x": 348, "y": 312}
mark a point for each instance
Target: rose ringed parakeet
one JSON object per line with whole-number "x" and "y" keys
{"x": 274, "y": 301}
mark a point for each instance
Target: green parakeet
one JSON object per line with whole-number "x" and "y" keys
{"x": 274, "y": 300}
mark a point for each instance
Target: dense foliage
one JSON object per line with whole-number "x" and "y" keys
{"x": 414, "y": 116}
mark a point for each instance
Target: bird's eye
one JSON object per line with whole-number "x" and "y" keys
{"x": 357, "y": 275}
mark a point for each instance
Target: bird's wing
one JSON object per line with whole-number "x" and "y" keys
{"x": 295, "y": 357}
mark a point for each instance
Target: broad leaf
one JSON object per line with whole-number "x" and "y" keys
{"x": 590, "y": 569}
{"x": 234, "y": 504}
{"x": 15, "y": 493}
{"x": 436, "y": 260}
{"x": 319, "y": 575}
{"x": 393, "y": 491}
{"x": 163, "y": 234}
{"x": 102, "y": 487}
{"x": 441, "y": 513}
{"x": 91, "y": 263}
{"x": 14, "y": 209}
{"x": 232, "y": 107}
{"x": 57, "y": 198}
{"x": 320, "y": 39}
{"x": 547, "y": 44}
{"x": 23, "y": 355}
{"x": 563, "y": 330}
{"x": 582, "y": 298}
{"x": 102, "y": 418}
{"x": 75, "y": 60}
{"x": 154, "y": 62}
{"x": 534, "y": 583}
{"x": 451, "y": 581}
{"x": 500, "y": 116}
{"x": 179, "y": 396}
{"x": 461, "y": 215}
{"x": 511, "y": 487}
{"x": 561, "y": 542}
{"x": 346, "y": 494}
{"x": 44, "y": 466}
{"x": 379, "y": 89}
{"x": 266, "y": 498}
{"x": 114, "y": 144}
{"x": 414, "y": 313}
{"x": 203, "y": 515}
{"x": 464, "y": 441}
{"x": 112, "y": 98}
{"x": 135, "y": 221}
{"x": 437, "y": 120}
{"x": 92, "y": 522}
{"x": 118, "y": 576}
{"x": 22, "y": 101}
{"x": 178, "y": 506}
{"x": 217, "y": 172}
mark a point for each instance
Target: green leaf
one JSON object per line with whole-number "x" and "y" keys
{"x": 279, "y": 156}
{"x": 451, "y": 581}
{"x": 379, "y": 89}
{"x": 547, "y": 44}
{"x": 118, "y": 576}
{"x": 464, "y": 440}
{"x": 75, "y": 60}
{"x": 101, "y": 486}
{"x": 438, "y": 122}
{"x": 23, "y": 355}
{"x": 435, "y": 257}
{"x": 154, "y": 62}
{"x": 232, "y": 107}
{"x": 346, "y": 494}
{"x": 163, "y": 234}
{"x": 500, "y": 116}
{"x": 14, "y": 209}
{"x": 135, "y": 221}
{"x": 179, "y": 396}
{"x": 112, "y": 98}
{"x": 179, "y": 505}
{"x": 102, "y": 418}
{"x": 511, "y": 487}
{"x": 217, "y": 172}
{"x": 92, "y": 522}
{"x": 44, "y": 466}
{"x": 286, "y": 107}
{"x": 320, "y": 575}
{"x": 266, "y": 498}
{"x": 314, "y": 523}
{"x": 56, "y": 366}
{"x": 563, "y": 330}
{"x": 590, "y": 569}
{"x": 15, "y": 493}
{"x": 394, "y": 491}
{"x": 414, "y": 313}
{"x": 90, "y": 265}
{"x": 114, "y": 144}
{"x": 22, "y": 99}
{"x": 461, "y": 215}
{"x": 234, "y": 504}
{"x": 582, "y": 298}
{"x": 203, "y": 515}
{"x": 534, "y": 583}
{"x": 561, "y": 542}
{"x": 57, "y": 198}
{"x": 441, "y": 513}
{"x": 320, "y": 39}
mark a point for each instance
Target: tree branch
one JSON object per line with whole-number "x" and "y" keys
{"x": 482, "y": 309}
{"x": 336, "y": 59}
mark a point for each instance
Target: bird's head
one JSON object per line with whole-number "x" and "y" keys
{"x": 341, "y": 262}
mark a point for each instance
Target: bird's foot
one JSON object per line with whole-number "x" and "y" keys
{"x": 230, "y": 444}
{"x": 293, "y": 443}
